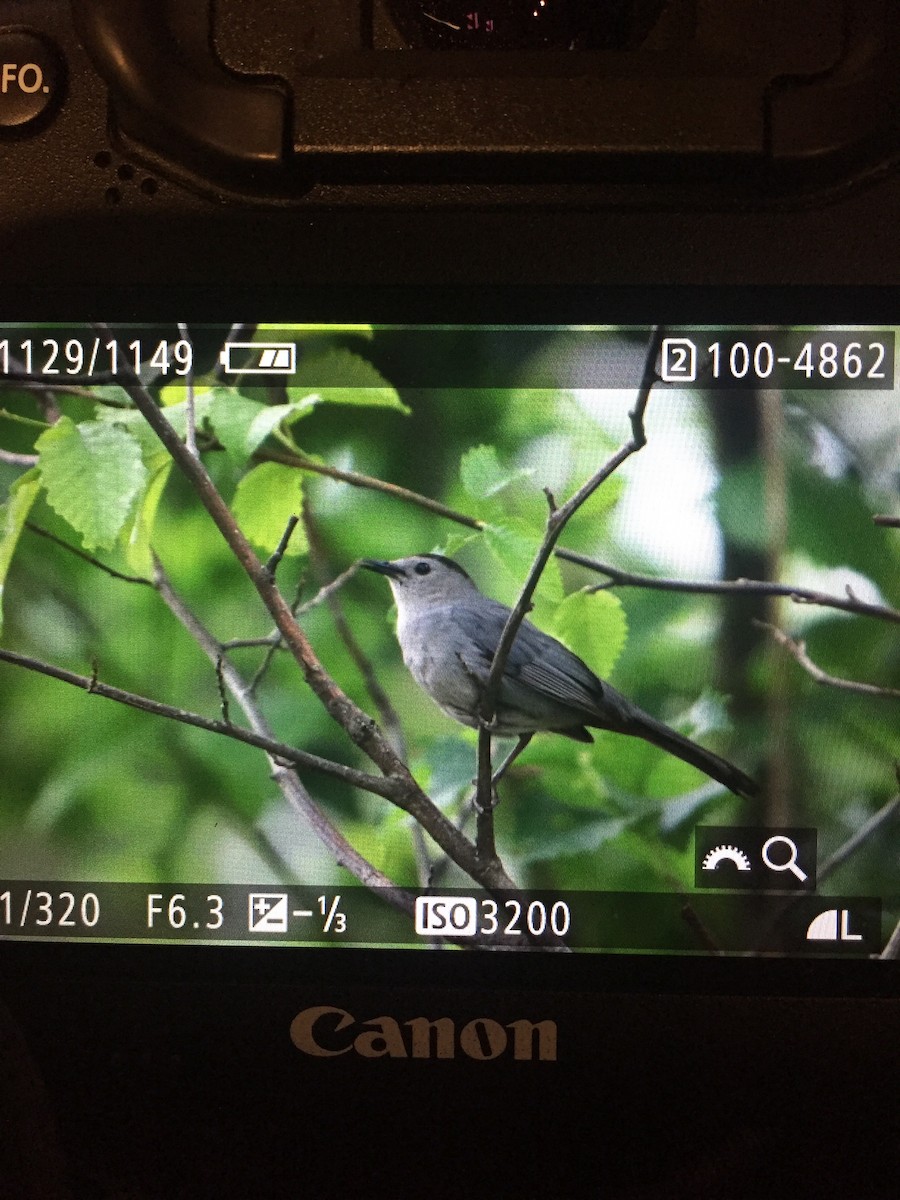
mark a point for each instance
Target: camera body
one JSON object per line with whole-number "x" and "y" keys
{"x": 367, "y": 160}
{"x": 644, "y": 153}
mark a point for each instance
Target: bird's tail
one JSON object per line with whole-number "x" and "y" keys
{"x": 647, "y": 727}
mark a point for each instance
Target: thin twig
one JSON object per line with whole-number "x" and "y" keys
{"x": 270, "y": 640}
{"x": 191, "y": 435}
{"x": 719, "y": 587}
{"x": 85, "y": 557}
{"x": 271, "y": 565}
{"x": 18, "y": 460}
{"x": 291, "y": 788}
{"x": 360, "y": 728}
{"x": 387, "y": 713}
{"x": 858, "y": 838}
{"x": 81, "y": 393}
{"x": 886, "y": 521}
{"x": 556, "y": 523}
{"x": 276, "y": 643}
{"x": 691, "y": 917}
{"x": 223, "y": 690}
{"x": 18, "y": 419}
{"x": 328, "y": 590}
{"x": 797, "y": 650}
{"x": 892, "y": 949}
{"x": 355, "y": 479}
{"x": 90, "y": 684}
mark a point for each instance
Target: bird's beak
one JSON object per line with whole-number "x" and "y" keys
{"x": 383, "y": 568}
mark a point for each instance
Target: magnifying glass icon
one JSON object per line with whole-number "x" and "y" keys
{"x": 790, "y": 863}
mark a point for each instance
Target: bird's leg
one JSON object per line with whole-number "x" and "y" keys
{"x": 524, "y": 739}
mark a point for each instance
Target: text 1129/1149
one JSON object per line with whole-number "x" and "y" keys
{"x": 50, "y": 358}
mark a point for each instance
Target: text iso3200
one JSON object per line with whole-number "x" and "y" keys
{"x": 86, "y": 357}
{"x": 471, "y": 916}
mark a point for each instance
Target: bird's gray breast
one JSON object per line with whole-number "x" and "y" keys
{"x": 432, "y": 643}
{"x": 449, "y": 651}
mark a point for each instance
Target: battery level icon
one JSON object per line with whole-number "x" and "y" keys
{"x": 259, "y": 358}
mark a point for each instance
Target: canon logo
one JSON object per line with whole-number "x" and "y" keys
{"x": 325, "y": 1032}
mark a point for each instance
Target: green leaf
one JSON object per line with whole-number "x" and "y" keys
{"x": 175, "y": 408}
{"x": 232, "y": 416}
{"x": 265, "y": 500}
{"x": 242, "y": 425}
{"x": 140, "y": 536}
{"x": 482, "y": 475}
{"x": 594, "y": 627}
{"x": 848, "y": 537}
{"x": 341, "y": 377}
{"x": 268, "y": 420}
{"x": 13, "y": 515}
{"x": 584, "y": 838}
{"x": 154, "y": 452}
{"x": 93, "y": 473}
{"x": 300, "y": 333}
{"x": 454, "y": 542}
{"x": 513, "y": 550}
{"x": 112, "y": 394}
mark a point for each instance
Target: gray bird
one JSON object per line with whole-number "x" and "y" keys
{"x": 448, "y": 633}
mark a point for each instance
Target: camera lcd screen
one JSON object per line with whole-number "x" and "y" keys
{"x": 579, "y": 638}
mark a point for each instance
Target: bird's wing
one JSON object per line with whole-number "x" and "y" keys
{"x": 536, "y": 661}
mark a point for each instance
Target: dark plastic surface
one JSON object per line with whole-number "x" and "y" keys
{"x": 326, "y": 102}
{"x": 169, "y": 1072}
{"x": 168, "y": 90}
{"x": 158, "y": 1075}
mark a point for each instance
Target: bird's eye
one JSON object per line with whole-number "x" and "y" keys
{"x": 422, "y": 568}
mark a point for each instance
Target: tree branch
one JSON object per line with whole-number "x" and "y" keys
{"x": 272, "y": 563}
{"x": 85, "y": 557}
{"x": 617, "y": 577}
{"x": 797, "y": 650}
{"x": 362, "y": 730}
{"x": 556, "y": 523}
{"x": 719, "y": 587}
{"x": 291, "y": 788}
{"x": 18, "y": 460}
{"x": 90, "y": 684}
{"x": 356, "y": 479}
{"x": 191, "y": 438}
{"x": 858, "y": 838}
{"x": 386, "y": 711}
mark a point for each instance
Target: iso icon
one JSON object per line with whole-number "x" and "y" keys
{"x": 446, "y": 916}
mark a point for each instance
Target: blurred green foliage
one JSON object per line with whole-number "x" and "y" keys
{"x": 93, "y": 790}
